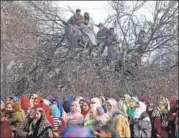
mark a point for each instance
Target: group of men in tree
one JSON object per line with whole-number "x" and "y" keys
{"x": 80, "y": 26}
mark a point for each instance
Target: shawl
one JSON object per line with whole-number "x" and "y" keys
{"x": 25, "y": 102}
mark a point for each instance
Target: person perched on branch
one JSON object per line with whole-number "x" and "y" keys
{"x": 76, "y": 19}
{"x": 88, "y": 20}
{"x": 102, "y": 35}
{"x": 112, "y": 44}
{"x": 142, "y": 42}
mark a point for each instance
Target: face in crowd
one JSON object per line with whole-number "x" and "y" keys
{"x": 54, "y": 102}
{"x": 35, "y": 102}
{"x": 38, "y": 114}
{"x": 109, "y": 106}
{"x": 32, "y": 113}
{"x": 81, "y": 103}
{"x": 9, "y": 107}
{"x": 93, "y": 113}
{"x": 73, "y": 107}
{"x": 78, "y": 12}
{"x": 85, "y": 106}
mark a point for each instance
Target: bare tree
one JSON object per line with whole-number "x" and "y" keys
{"x": 41, "y": 61}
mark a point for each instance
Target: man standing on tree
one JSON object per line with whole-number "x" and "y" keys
{"x": 77, "y": 19}
{"x": 102, "y": 36}
{"x": 112, "y": 44}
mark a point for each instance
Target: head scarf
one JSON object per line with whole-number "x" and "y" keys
{"x": 78, "y": 98}
{"x": 67, "y": 102}
{"x": 127, "y": 97}
{"x": 173, "y": 103}
{"x": 59, "y": 104}
{"x": 121, "y": 108}
{"x": 162, "y": 107}
{"x": 47, "y": 102}
{"x": 100, "y": 111}
{"x": 25, "y": 102}
{"x": 113, "y": 103}
{"x": 77, "y": 106}
{"x": 96, "y": 101}
{"x": 139, "y": 110}
{"x": 39, "y": 99}
{"x": 55, "y": 111}
{"x": 102, "y": 99}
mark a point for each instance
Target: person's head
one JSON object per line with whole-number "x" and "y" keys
{"x": 86, "y": 14}
{"x": 31, "y": 97}
{"x": 36, "y": 102}
{"x": 54, "y": 102}
{"x": 81, "y": 103}
{"x": 107, "y": 131}
{"x": 133, "y": 103}
{"x": 93, "y": 113}
{"x": 86, "y": 106}
{"x": 109, "y": 106}
{"x": 39, "y": 114}
{"x": 9, "y": 107}
{"x": 102, "y": 99}
{"x": 78, "y": 12}
{"x": 17, "y": 106}
{"x": 32, "y": 113}
{"x": 55, "y": 111}
{"x": 9, "y": 100}
{"x": 73, "y": 107}
{"x": 111, "y": 30}
{"x": 101, "y": 26}
{"x": 100, "y": 111}
{"x": 111, "y": 103}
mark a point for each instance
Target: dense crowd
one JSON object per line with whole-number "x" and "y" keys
{"x": 34, "y": 116}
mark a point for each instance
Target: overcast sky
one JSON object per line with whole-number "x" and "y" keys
{"x": 99, "y": 10}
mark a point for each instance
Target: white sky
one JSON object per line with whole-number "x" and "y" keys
{"x": 99, "y": 10}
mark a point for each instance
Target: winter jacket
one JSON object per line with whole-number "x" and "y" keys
{"x": 121, "y": 125}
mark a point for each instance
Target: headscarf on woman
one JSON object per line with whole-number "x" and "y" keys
{"x": 120, "y": 121}
{"x": 86, "y": 107}
{"x": 25, "y": 103}
{"x": 66, "y": 103}
{"x": 74, "y": 117}
{"x": 113, "y": 103}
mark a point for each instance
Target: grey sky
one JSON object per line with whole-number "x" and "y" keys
{"x": 99, "y": 10}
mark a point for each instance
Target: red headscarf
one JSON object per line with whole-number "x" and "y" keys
{"x": 39, "y": 99}
{"x": 173, "y": 102}
{"x": 25, "y": 102}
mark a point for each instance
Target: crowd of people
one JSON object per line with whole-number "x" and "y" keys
{"x": 34, "y": 116}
